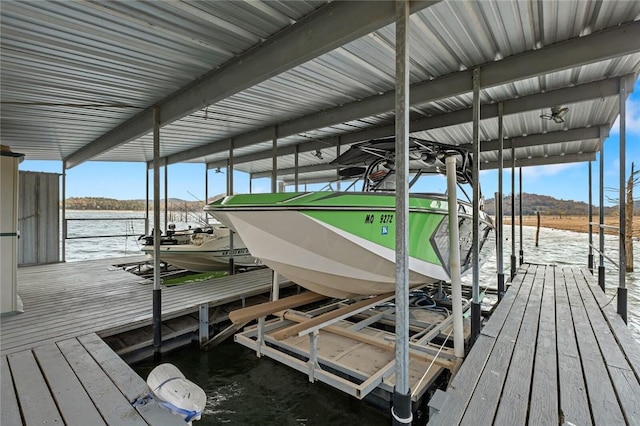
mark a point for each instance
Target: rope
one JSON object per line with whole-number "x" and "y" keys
{"x": 431, "y": 365}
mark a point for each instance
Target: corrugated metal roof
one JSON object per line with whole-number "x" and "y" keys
{"x": 73, "y": 71}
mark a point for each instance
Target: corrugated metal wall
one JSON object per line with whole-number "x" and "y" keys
{"x": 38, "y": 218}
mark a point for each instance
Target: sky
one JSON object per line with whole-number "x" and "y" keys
{"x": 126, "y": 181}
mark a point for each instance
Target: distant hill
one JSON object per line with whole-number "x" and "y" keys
{"x": 101, "y": 203}
{"x": 532, "y": 203}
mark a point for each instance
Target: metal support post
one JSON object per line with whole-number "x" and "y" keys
{"x": 203, "y": 332}
{"x": 166, "y": 195}
{"x": 520, "y": 213}
{"x": 260, "y": 337}
{"x": 313, "y": 355}
{"x": 296, "y": 164}
{"x": 157, "y": 300}
{"x": 475, "y": 244}
{"x": 590, "y": 256}
{"x": 513, "y": 209}
{"x": 498, "y": 204}
{"x": 622, "y": 270}
{"x": 275, "y": 283}
{"x": 64, "y": 211}
{"x": 146, "y": 204}
{"x": 401, "y": 412}
{"x": 232, "y": 269}
{"x": 601, "y": 268}
{"x": 206, "y": 191}
{"x": 454, "y": 258}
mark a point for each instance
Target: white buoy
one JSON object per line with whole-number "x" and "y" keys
{"x": 171, "y": 389}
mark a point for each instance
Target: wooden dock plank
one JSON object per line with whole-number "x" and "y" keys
{"x": 75, "y": 405}
{"x": 36, "y": 403}
{"x": 10, "y": 412}
{"x": 624, "y": 381}
{"x": 486, "y": 396}
{"x": 573, "y": 389}
{"x": 493, "y": 327}
{"x": 131, "y": 385}
{"x": 544, "y": 391}
{"x": 113, "y": 406}
{"x": 514, "y": 403}
{"x": 624, "y": 338}
{"x": 604, "y": 404}
{"x": 127, "y": 381}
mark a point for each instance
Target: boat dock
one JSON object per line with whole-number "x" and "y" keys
{"x": 553, "y": 352}
{"x": 56, "y": 367}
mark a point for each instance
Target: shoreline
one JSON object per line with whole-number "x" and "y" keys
{"x": 577, "y": 223}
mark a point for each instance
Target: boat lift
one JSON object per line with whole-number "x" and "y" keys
{"x": 350, "y": 344}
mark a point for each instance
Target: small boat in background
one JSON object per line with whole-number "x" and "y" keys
{"x": 342, "y": 243}
{"x": 201, "y": 249}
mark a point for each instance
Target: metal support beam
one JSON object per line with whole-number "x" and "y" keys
{"x": 401, "y": 412}
{"x": 622, "y": 262}
{"x": 526, "y": 162}
{"x": 578, "y": 51}
{"x": 594, "y": 90}
{"x": 580, "y": 134}
{"x": 322, "y": 31}
{"x": 475, "y": 244}
{"x": 157, "y": 300}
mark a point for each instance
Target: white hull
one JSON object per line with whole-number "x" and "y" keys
{"x": 304, "y": 250}
{"x": 210, "y": 253}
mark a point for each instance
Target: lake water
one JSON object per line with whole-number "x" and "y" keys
{"x": 243, "y": 389}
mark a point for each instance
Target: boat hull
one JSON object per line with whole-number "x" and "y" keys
{"x": 343, "y": 250}
{"x": 212, "y": 254}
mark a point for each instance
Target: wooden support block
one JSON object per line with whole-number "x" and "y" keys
{"x": 329, "y": 316}
{"x": 242, "y": 316}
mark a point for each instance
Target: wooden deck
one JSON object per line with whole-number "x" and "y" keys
{"x": 78, "y": 381}
{"x": 554, "y": 352}
{"x": 55, "y": 369}
{"x": 66, "y": 300}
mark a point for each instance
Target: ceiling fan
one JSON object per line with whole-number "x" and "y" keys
{"x": 557, "y": 114}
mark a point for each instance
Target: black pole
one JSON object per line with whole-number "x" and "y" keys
{"x": 520, "y": 213}
{"x": 157, "y": 324}
{"x": 401, "y": 409}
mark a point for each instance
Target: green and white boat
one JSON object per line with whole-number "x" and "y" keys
{"x": 342, "y": 243}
